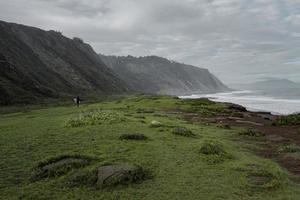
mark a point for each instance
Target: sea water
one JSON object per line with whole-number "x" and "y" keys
{"x": 255, "y": 101}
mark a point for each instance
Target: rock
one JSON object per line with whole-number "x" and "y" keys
{"x": 113, "y": 175}
{"x": 234, "y": 118}
{"x": 133, "y": 137}
{"x": 156, "y": 124}
{"x": 59, "y": 166}
{"x": 237, "y": 107}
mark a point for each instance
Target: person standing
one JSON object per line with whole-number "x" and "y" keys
{"x": 77, "y": 100}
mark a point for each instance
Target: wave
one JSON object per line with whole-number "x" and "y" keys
{"x": 253, "y": 101}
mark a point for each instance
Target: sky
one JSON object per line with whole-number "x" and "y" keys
{"x": 240, "y": 41}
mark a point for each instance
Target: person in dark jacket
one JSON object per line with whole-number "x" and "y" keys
{"x": 77, "y": 100}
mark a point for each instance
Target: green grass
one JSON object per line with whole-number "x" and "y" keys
{"x": 289, "y": 148}
{"x": 293, "y": 119}
{"x": 178, "y": 168}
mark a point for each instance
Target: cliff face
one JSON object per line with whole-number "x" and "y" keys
{"x": 38, "y": 64}
{"x": 154, "y": 74}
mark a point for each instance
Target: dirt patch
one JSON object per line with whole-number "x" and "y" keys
{"x": 293, "y": 164}
{"x": 59, "y": 166}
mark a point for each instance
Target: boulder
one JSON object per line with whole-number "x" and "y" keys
{"x": 156, "y": 124}
{"x": 237, "y": 107}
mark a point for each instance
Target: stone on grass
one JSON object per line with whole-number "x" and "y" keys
{"x": 133, "y": 137}
{"x": 156, "y": 124}
{"x": 59, "y": 166}
{"x": 113, "y": 175}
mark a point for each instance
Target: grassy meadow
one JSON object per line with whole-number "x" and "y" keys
{"x": 181, "y": 159}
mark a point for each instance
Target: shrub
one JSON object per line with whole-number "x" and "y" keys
{"x": 182, "y": 131}
{"x": 212, "y": 148}
{"x": 94, "y": 118}
{"x": 252, "y": 133}
{"x": 214, "y": 152}
{"x": 293, "y": 119}
{"x": 290, "y": 148}
{"x": 133, "y": 137}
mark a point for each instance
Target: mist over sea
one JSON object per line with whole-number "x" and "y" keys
{"x": 256, "y": 101}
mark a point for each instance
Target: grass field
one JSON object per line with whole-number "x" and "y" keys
{"x": 183, "y": 160}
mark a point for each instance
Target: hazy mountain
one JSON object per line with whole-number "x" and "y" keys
{"x": 35, "y": 63}
{"x": 274, "y": 84}
{"x": 279, "y": 88}
{"x": 158, "y": 75}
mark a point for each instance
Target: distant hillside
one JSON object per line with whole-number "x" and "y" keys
{"x": 154, "y": 74}
{"x": 37, "y": 64}
{"x": 274, "y": 84}
{"x": 279, "y": 88}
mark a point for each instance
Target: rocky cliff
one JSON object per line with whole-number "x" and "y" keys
{"x": 37, "y": 64}
{"x": 154, "y": 74}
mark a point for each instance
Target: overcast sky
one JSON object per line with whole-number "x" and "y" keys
{"x": 238, "y": 40}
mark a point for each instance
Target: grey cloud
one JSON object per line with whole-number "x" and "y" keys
{"x": 236, "y": 39}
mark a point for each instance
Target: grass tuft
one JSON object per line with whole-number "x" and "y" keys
{"x": 182, "y": 131}
{"x": 251, "y": 133}
{"x": 214, "y": 152}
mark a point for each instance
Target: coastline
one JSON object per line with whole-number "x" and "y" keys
{"x": 253, "y": 101}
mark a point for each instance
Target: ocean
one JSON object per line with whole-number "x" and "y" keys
{"x": 255, "y": 101}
